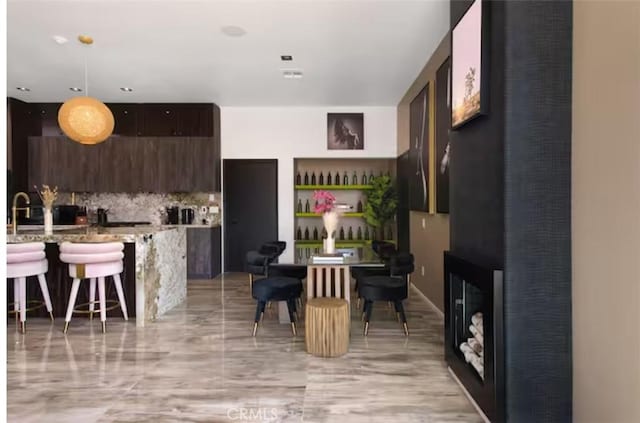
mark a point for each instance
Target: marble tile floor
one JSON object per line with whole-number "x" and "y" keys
{"x": 199, "y": 363}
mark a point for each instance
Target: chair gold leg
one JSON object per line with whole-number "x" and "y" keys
{"x": 261, "y": 316}
{"x": 66, "y": 327}
{"x": 406, "y": 328}
{"x": 104, "y": 327}
{"x": 366, "y": 328}
{"x": 250, "y": 284}
{"x": 255, "y": 329}
{"x": 293, "y": 328}
{"x": 91, "y": 315}
{"x": 51, "y": 316}
{"x": 23, "y": 327}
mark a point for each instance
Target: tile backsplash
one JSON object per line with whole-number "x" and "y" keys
{"x": 147, "y": 207}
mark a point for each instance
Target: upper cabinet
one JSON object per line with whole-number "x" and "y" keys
{"x": 128, "y": 119}
{"x": 182, "y": 120}
{"x": 154, "y": 148}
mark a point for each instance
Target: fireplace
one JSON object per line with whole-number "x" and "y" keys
{"x": 474, "y": 348}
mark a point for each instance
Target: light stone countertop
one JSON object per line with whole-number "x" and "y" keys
{"x": 84, "y": 233}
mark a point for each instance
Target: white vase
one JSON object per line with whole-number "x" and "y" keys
{"x": 330, "y": 220}
{"x": 48, "y": 222}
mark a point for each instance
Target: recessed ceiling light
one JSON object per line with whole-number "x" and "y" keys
{"x": 286, "y": 58}
{"x": 60, "y": 39}
{"x": 126, "y": 89}
{"x": 233, "y": 31}
{"x": 22, "y": 89}
{"x": 75, "y": 89}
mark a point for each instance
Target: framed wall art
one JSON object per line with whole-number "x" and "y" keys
{"x": 469, "y": 65}
{"x": 345, "y": 131}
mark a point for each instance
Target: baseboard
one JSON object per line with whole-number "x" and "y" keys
{"x": 469, "y": 397}
{"x": 428, "y": 301}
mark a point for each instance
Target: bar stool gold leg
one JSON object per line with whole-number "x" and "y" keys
{"x": 66, "y": 327}
{"x": 104, "y": 327}
{"x": 366, "y": 328}
{"x": 23, "y": 327}
{"x": 51, "y": 316}
{"x": 255, "y": 329}
{"x": 293, "y": 328}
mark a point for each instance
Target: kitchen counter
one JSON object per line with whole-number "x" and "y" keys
{"x": 160, "y": 260}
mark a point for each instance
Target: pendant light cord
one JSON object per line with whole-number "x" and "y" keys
{"x": 86, "y": 79}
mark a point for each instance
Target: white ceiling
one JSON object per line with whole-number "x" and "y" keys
{"x": 352, "y": 52}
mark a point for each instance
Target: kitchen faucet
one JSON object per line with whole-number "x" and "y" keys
{"x": 14, "y": 209}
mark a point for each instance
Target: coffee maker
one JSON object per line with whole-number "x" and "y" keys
{"x": 173, "y": 214}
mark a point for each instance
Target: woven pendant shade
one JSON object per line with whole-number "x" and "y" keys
{"x": 86, "y": 120}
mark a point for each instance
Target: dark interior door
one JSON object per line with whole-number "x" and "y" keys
{"x": 403, "y": 164}
{"x": 250, "y": 208}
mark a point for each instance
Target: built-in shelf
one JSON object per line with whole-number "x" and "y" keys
{"x": 354, "y": 214}
{"x": 330, "y": 187}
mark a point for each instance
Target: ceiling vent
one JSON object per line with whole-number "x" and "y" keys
{"x": 292, "y": 73}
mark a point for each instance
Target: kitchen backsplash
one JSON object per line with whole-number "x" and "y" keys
{"x": 147, "y": 207}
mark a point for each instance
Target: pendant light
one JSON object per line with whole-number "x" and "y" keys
{"x": 85, "y": 119}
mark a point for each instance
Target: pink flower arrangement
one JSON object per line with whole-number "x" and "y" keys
{"x": 324, "y": 201}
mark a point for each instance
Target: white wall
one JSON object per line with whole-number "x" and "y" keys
{"x": 285, "y": 133}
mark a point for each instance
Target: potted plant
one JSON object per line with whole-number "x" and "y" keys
{"x": 381, "y": 205}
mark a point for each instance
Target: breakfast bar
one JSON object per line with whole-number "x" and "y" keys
{"x": 155, "y": 263}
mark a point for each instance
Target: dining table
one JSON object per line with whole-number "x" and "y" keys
{"x": 323, "y": 277}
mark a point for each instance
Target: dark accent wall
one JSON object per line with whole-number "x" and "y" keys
{"x": 537, "y": 74}
{"x": 477, "y": 162}
{"x": 510, "y": 198}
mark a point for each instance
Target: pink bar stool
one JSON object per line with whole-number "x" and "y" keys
{"x": 23, "y": 260}
{"x": 94, "y": 261}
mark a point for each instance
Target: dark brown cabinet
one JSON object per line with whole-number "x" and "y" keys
{"x": 182, "y": 120}
{"x": 128, "y": 119}
{"x": 127, "y": 162}
{"x": 203, "y": 253}
{"x": 46, "y": 115}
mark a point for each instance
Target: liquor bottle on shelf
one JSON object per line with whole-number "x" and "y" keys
{"x": 299, "y": 209}
{"x": 345, "y": 180}
{"x": 354, "y": 179}
{"x": 341, "y": 233}
{"x": 329, "y": 181}
{"x": 364, "y": 178}
{"x": 315, "y": 234}
{"x": 366, "y": 233}
{"x": 360, "y": 208}
{"x": 336, "y": 180}
{"x": 299, "y": 233}
{"x": 306, "y": 178}
{"x": 359, "y": 233}
{"x": 350, "y": 235}
{"x": 321, "y": 179}
{"x": 307, "y": 208}
{"x": 306, "y": 234}
{"x": 298, "y": 179}
{"x": 371, "y": 177}
{"x": 313, "y": 178}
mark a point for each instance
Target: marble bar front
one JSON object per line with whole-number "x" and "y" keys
{"x": 160, "y": 261}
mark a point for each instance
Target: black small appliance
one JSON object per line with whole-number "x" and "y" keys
{"x": 173, "y": 215}
{"x": 187, "y": 216}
